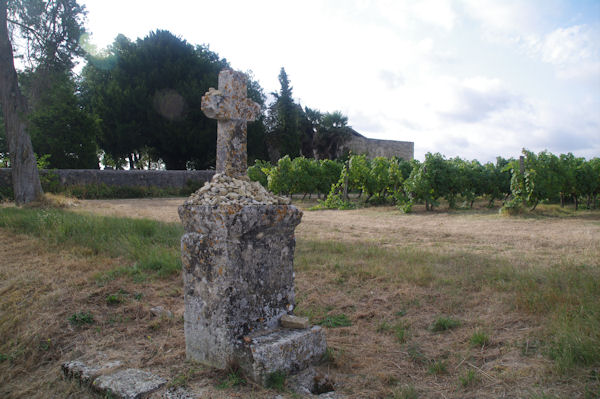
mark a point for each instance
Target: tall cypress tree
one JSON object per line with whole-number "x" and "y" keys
{"x": 283, "y": 122}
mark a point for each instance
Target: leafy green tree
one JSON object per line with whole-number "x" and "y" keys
{"x": 281, "y": 179}
{"x": 61, "y": 129}
{"x": 567, "y": 166}
{"x": 329, "y": 174}
{"x": 304, "y": 176}
{"x": 47, "y": 34}
{"x": 118, "y": 102}
{"x": 472, "y": 177}
{"x": 358, "y": 173}
{"x": 310, "y": 120}
{"x": 4, "y": 156}
{"x": 259, "y": 172}
{"x": 586, "y": 182}
{"x": 496, "y": 180}
{"x": 151, "y": 97}
{"x": 595, "y": 186}
{"x": 257, "y": 131}
{"x": 406, "y": 166}
{"x": 331, "y": 133}
{"x": 379, "y": 178}
{"x": 429, "y": 181}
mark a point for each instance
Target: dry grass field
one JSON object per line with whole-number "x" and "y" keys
{"x": 462, "y": 304}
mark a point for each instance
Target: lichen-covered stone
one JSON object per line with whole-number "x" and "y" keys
{"x": 233, "y": 110}
{"x": 240, "y": 191}
{"x": 238, "y": 275}
{"x": 129, "y": 384}
{"x": 291, "y": 321}
{"x": 284, "y": 350}
{"x": 87, "y": 373}
{"x": 237, "y": 256}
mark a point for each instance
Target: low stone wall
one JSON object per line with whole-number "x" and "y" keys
{"x": 129, "y": 178}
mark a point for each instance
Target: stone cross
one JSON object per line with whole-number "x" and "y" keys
{"x": 233, "y": 110}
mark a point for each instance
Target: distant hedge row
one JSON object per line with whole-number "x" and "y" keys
{"x": 527, "y": 181}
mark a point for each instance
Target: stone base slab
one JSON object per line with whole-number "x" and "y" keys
{"x": 284, "y": 350}
{"x": 121, "y": 384}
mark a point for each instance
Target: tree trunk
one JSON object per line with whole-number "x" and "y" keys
{"x": 25, "y": 177}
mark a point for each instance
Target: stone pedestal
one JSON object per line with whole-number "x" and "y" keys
{"x": 239, "y": 281}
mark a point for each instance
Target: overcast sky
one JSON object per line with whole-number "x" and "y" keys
{"x": 468, "y": 78}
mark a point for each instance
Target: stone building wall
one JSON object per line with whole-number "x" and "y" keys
{"x": 359, "y": 144}
{"x": 131, "y": 178}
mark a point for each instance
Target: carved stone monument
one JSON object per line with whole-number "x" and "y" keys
{"x": 237, "y": 253}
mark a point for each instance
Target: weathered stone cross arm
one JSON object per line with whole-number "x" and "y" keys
{"x": 233, "y": 110}
{"x": 221, "y": 106}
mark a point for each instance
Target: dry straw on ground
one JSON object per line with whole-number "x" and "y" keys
{"x": 391, "y": 275}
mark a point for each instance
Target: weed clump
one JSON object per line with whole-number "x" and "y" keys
{"x": 233, "y": 378}
{"x": 468, "y": 379}
{"x": 479, "y": 339}
{"x": 333, "y": 321}
{"x": 276, "y": 381}
{"x": 443, "y": 324}
{"x": 81, "y": 318}
{"x": 438, "y": 367}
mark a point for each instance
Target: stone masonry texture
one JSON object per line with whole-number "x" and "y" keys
{"x": 238, "y": 275}
{"x": 237, "y": 256}
{"x": 131, "y": 178}
{"x": 233, "y": 110}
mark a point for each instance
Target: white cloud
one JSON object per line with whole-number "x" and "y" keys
{"x": 574, "y": 51}
{"x": 435, "y": 12}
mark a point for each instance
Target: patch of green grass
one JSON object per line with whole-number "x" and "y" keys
{"x": 407, "y": 392}
{"x": 479, "y": 339}
{"x": 468, "y": 379}
{"x": 116, "y": 298}
{"x": 151, "y": 246}
{"x": 233, "y": 378}
{"x": 3, "y": 357}
{"x": 332, "y": 321}
{"x": 401, "y": 332}
{"x": 438, "y": 367}
{"x": 81, "y": 318}
{"x": 276, "y": 381}
{"x": 568, "y": 296}
{"x": 443, "y": 324}
{"x": 181, "y": 380}
{"x": 399, "y": 329}
{"x": 416, "y": 354}
{"x": 575, "y": 338}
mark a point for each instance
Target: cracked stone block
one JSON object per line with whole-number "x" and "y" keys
{"x": 289, "y": 321}
{"x": 286, "y": 351}
{"x": 77, "y": 369}
{"x": 129, "y": 384}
